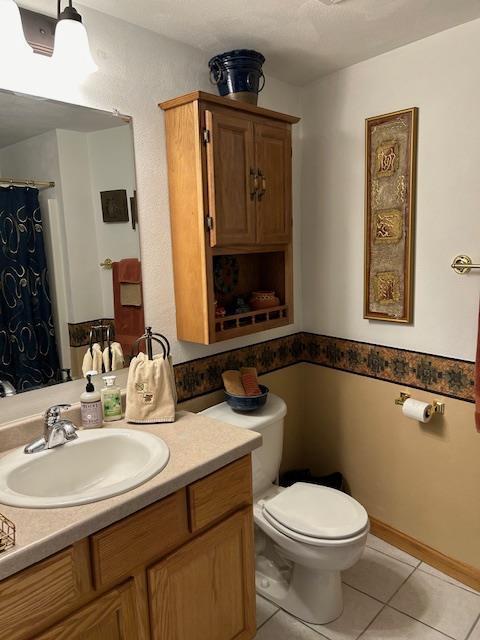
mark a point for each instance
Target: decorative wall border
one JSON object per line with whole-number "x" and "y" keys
{"x": 204, "y": 375}
{"x": 79, "y": 333}
{"x": 437, "y": 374}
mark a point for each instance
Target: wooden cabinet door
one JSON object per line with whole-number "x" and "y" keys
{"x": 206, "y": 590}
{"x": 274, "y": 196}
{"x": 230, "y": 164}
{"x": 111, "y": 617}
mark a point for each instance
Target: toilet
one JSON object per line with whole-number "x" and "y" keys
{"x": 306, "y": 534}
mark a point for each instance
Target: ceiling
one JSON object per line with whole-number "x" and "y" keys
{"x": 23, "y": 117}
{"x": 301, "y": 39}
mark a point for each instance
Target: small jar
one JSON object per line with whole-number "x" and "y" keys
{"x": 263, "y": 300}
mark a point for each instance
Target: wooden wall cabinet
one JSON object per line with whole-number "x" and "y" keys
{"x": 230, "y": 185}
{"x": 180, "y": 569}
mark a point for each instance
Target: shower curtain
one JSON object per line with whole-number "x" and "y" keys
{"x": 28, "y": 351}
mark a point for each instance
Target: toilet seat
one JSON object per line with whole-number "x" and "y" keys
{"x": 315, "y": 514}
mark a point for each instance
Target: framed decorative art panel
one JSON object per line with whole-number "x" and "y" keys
{"x": 390, "y": 165}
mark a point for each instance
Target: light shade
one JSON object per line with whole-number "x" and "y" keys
{"x": 71, "y": 53}
{"x": 13, "y": 45}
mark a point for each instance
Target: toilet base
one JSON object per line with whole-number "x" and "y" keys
{"x": 313, "y": 596}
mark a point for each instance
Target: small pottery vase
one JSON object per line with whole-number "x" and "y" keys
{"x": 263, "y": 300}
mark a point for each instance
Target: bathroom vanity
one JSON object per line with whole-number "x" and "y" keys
{"x": 171, "y": 559}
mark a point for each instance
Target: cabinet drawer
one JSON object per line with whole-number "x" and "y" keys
{"x": 139, "y": 539}
{"x": 220, "y": 493}
{"x": 111, "y": 617}
{"x": 44, "y": 592}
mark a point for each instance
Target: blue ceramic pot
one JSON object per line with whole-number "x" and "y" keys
{"x": 238, "y": 74}
{"x": 247, "y": 403}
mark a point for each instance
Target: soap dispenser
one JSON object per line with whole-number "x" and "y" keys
{"x": 91, "y": 406}
{"x": 111, "y": 400}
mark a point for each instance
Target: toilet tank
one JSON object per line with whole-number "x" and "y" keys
{"x": 269, "y": 421}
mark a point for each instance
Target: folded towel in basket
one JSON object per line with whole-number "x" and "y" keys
{"x": 151, "y": 391}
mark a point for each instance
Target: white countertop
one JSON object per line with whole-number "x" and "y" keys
{"x": 198, "y": 446}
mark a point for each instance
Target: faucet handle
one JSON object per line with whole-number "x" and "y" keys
{"x": 53, "y": 413}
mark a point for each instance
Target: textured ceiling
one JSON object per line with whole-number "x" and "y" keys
{"x": 301, "y": 39}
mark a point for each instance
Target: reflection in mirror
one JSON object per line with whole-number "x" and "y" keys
{"x": 70, "y": 276}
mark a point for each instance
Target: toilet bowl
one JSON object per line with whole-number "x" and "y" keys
{"x": 306, "y": 534}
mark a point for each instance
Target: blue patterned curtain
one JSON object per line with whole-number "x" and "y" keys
{"x": 28, "y": 351}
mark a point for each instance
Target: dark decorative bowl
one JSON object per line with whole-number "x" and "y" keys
{"x": 247, "y": 403}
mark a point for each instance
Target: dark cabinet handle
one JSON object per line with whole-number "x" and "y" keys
{"x": 261, "y": 192}
{"x": 253, "y": 183}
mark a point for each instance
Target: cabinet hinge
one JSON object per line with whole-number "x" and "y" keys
{"x": 206, "y": 136}
{"x": 209, "y": 221}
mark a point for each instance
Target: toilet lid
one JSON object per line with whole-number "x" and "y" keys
{"x": 317, "y": 512}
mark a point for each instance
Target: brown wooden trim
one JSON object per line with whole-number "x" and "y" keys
{"x": 229, "y": 103}
{"x": 454, "y": 568}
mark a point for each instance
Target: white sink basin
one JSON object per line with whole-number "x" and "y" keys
{"x": 100, "y": 464}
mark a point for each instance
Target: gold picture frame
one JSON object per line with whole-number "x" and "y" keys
{"x": 390, "y": 190}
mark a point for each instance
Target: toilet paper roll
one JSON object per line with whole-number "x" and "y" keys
{"x": 417, "y": 410}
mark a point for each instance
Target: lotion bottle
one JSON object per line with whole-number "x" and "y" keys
{"x": 111, "y": 400}
{"x": 91, "y": 406}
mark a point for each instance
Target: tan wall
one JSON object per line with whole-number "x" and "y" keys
{"x": 288, "y": 384}
{"x": 423, "y": 480}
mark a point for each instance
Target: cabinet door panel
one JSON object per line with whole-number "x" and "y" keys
{"x": 274, "y": 198}
{"x": 207, "y": 588}
{"x": 230, "y": 156}
{"x": 111, "y": 617}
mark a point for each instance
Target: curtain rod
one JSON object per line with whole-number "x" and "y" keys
{"x": 28, "y": 183}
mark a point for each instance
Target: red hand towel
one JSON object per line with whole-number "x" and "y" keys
{"x": 477, "y": 380}
{"x": 129, "y": 270}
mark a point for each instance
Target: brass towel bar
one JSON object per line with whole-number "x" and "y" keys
{"x": 463, "y": 264}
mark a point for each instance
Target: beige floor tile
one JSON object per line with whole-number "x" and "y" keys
{"x": 359, "y": 610}
{"x": 475, "y": 635}
{"x": 393, "y": 625}
{"x": 265, "y": 610}
{"x": 443, "y": 576}
{"x": 439, "y": 604}
{"x": 285, "y": 627}
{"x": 380, "y": 545}
{"x": 377, "y": 574}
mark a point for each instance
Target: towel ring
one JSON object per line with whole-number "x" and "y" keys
{"x": 149, "y": 336}
{"x": 94, "y": 329}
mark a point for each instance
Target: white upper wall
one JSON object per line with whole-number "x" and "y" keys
{"x": 139, "y": 69}
{"x": 438, "y": 75}
{"x": 78, "y": 214}
{"x": 112, "y": 167}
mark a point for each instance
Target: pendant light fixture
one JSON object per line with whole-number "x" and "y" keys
{"x": 13, "y": 45}
{"x": 71, "y": 53}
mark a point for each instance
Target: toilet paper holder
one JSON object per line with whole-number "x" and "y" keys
{"x": 437, "y": 407}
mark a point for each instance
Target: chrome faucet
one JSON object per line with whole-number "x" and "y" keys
{"x": 6, "y": 389}
{"x": 56, "y": 432}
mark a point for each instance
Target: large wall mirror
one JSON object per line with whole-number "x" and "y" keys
{"x": 70, "y": 271}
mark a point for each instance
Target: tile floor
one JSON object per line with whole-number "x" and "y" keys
{"x": 389, "y": 595}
